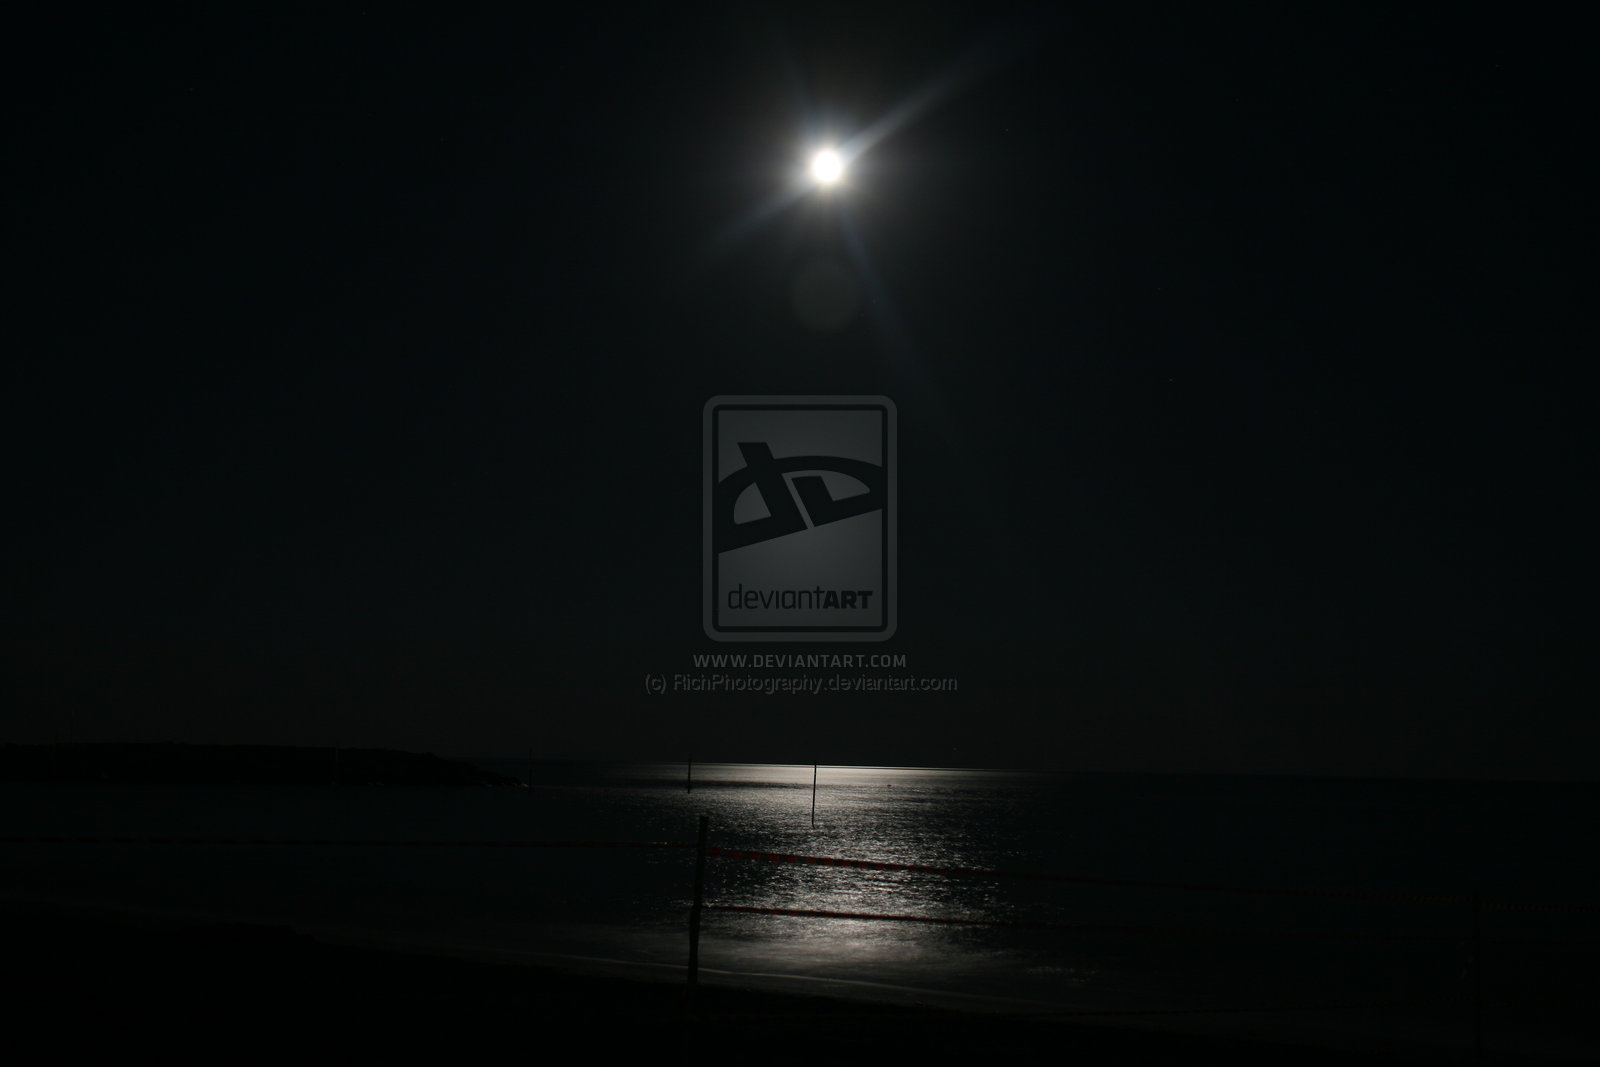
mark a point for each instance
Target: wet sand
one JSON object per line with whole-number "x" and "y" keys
{"x": 101, "y": 983}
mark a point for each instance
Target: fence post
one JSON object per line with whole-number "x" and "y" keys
{"x": 1477, "y": 978}
{"x": 813, "y": 796}
{"x": 699, "y": 902}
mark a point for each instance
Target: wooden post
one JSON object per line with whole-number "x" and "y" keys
{"x": 813, "y": 796}
{"x": 699, "y": 902}
{"x": 1477, "y": 978}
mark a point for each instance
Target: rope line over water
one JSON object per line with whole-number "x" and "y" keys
{"x": 1105, "y": 928}
{"x": 1465, "y": 899}
{"x": 752, "y": 855}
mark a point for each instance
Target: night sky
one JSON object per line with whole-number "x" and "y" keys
{"x": 356, "y": 365}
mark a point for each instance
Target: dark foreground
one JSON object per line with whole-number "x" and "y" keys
{"x": 102, "y": 983}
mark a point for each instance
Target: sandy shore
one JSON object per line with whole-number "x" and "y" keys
{"x": 92, "y": 982}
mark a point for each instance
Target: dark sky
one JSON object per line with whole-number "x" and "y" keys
{"x": 354, "y": 385}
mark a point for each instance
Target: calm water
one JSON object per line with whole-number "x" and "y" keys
{"x": 1171, "y": 949}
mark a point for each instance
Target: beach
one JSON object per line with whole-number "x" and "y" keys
{"x": 1005, "y": 909}
{"x": 102, "y": 982}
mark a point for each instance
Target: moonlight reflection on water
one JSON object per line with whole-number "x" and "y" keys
{"x": 629, "y": 907}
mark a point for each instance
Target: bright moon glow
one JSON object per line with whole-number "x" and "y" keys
{"x": 827, "y": 167}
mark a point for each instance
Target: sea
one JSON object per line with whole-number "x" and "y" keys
{"x": 1439, "y": 919}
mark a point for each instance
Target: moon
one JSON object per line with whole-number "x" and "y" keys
{"x": 827, "y": 167}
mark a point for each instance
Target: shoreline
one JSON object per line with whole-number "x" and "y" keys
{"x": 197, "y": 987}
